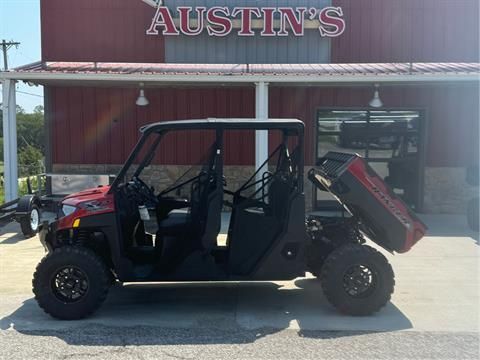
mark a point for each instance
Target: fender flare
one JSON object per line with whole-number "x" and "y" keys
{"x": 24, "y": 205}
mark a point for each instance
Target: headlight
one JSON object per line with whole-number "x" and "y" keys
{"x": 68, "y": 209}
{"x": 95, "y": 205}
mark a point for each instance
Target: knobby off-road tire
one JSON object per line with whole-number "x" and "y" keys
{"x": 28, "y": 224}
{"x": 357, "y": 280}
{"x": 71, "y": 283}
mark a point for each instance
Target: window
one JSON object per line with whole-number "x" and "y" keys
{"x": 388, "y": 139}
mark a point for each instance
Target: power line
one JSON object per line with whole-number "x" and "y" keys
{"x": 27, "y": 93}
{"x": 25, "y": 56}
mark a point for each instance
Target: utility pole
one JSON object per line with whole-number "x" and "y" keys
{"x": 6, "y": 45}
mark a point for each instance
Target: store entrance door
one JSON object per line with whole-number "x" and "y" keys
{"x": 390, "y": 140}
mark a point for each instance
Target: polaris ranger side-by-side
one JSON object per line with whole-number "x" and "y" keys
{"x": 128, "y": 232}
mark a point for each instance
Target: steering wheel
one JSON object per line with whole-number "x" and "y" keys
{"x": 144, "y": 192}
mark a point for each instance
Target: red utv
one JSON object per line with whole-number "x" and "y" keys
{"x": 128, "y": 232}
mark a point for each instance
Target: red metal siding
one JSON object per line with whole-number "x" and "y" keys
{"x": 98, "y": 30}
{"x": 408, "y": 31}
{"x": 377, "y": 31}
{"x": 100, "y": 125}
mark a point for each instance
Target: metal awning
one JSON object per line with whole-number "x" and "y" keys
{"x": 150, "y": 73}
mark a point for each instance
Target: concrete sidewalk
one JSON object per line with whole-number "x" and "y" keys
{"x": 437, "y": 289}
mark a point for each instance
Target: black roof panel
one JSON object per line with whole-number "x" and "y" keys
{"x": 233, "y": 124}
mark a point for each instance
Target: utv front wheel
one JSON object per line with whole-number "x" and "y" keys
{"x": 71, "y": 283}
{"x": 357, "y": 280}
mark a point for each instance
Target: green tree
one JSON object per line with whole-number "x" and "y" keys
{"x": 31, "y": 130}
{"x": 30, "y": 161}
{"x": 30, "y": 140}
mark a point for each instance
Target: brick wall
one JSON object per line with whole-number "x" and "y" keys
{"x": 446, "y": 190}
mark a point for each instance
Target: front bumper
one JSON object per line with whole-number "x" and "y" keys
{"x": 47, "y": 234}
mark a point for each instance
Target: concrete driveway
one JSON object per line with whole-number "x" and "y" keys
{"x": 433, "y": 313}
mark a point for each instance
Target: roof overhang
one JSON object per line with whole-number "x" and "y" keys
{"x": 131, "y": 74}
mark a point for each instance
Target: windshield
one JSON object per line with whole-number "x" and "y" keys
{"x": 162, "y": 166}
{"x": 140, "y": 157}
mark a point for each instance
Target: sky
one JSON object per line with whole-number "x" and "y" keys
{"x": 20, "y": 21}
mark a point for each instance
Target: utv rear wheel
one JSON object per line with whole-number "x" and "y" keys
{"x": 357, "y": 280}
{"x": 71, "y": 283}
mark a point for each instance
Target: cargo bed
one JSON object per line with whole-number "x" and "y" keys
{"x": 383, "y": 216}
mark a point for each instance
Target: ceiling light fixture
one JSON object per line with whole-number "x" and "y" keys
{"x": 376, "y": 102}
{"x": 142, "y": 99}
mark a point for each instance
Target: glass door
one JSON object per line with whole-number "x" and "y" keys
{"x": 388, "y": 139}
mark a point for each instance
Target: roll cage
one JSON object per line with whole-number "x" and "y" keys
{"x": 289, "y": 127}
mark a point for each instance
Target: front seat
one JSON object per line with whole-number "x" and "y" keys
{"x": 201, "y": 222}
{"x": 175, "y": 223}
{"x": 181, "y": 222}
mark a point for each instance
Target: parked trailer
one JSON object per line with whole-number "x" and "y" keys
{"x": 30, "y": 210}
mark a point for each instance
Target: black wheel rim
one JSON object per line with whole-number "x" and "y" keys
{"x": 359, "y": 281}
{"x": 70, "y": 284}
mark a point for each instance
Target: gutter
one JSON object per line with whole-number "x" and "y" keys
{"x": 240, "y": 78}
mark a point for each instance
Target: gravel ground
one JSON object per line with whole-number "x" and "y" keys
{"x": 99, "y": 342}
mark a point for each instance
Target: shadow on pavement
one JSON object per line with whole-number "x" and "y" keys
{"x": 7, "y": 238}
{"x": 204, "y": 313}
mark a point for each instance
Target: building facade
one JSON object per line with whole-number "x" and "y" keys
{"x": 423, "y": 139}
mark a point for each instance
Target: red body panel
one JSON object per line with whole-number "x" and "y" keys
{"x": 415, "y": 229}
{"x": 381, "y": 214}
{"x": 88, "y": 203}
